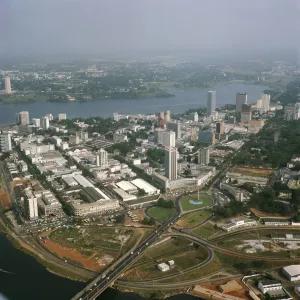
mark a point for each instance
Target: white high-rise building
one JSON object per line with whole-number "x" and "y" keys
{"x": 23, "y": 118}
{"x": 211, "y": 102}
{"x": 5, "y": 142}
{"x": 102, "y": 158}
{"x": 171, "y": 162}
{"x": 263, "y": 104}
{"x": 36, "y": 122}
{"x": 62, "y": 116}
{"x": 203, "y": 156}
{"x": 241, "y": 98}
{"x": 45, "y": 123}
{"x": 50, "y": 117}
{"x": 7, "y": 85}
{"x": 31, "y": 207}
{"x": 196, "y": 117}
{"x": 167, "y": 116}
{"x": 169, "y": 138}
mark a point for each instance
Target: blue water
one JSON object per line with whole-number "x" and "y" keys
{"x": 196, "y": 202}
{"x": 184, "y": 100}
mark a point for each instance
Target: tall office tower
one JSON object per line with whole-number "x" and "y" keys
{"x": 220, "y": 127}
{"x": 102, "y": 158}
{"x": 62, "y": 116}
{"x": 50, "y": 117}
{"x": 264, "y": 103}
{"x": 31, "y": 207}
{"x": 169, "y": 139}
{"x": 159, "y": 135}
{"x": 171, "y": 162}
{"x": 206, "y": 137}
{"x": 23, "y": 118}
{"x": 7, "y": 85}
{"x": 45, "y": 123}
{"x": 246, "y": 113}
{"x": 5, "y": 142}
{"x": 176, "y": 127}
{"x": 211, "y": 102}
{"x": 36, "y": 122}
{"x": 203, "y": 156}
{"x": 241, "y": 98}
{"x": 116, "y": 116}
{"x": 196, "y": 117}
{"x": 167, "y": 116}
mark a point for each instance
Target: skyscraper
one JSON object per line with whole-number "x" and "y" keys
{"x": 263, "y": 104}
{"x": 23, "y": 118}
{"x": 246, "y": 113}
{"x": 7, "y": 85}
{"x": 176, "y": 127}
{"x": 211, "y": 102}
{"x": 169, "y": 138}
{"x": 36, "y": 122}
{"x": 167, "y": 116}
{"x": 45, "y": 123}
{"x": 102, "y": 158}
{"x": 5, "y": 142}
{"x": 171, "y": 162}
{"x": 241, "y": 98}
{"x": 203, "y": 156}
{"x": 220, "y": 128}
{"x": 30, "y": 205}
{"x": 196, "y": 117}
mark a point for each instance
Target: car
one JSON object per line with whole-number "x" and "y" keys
{"x": 147, "y": 244}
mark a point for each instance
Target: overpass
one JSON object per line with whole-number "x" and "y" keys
{"x": 105, "y": 279}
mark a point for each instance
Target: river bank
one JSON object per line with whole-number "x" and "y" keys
{"x": 183, "y": 100}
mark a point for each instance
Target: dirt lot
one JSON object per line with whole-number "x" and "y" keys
{"x": 139, "y": 213}
{"x": 261, "y": 214}
{"x": 4, "y": 200}
{"x": 253, "y": 172}
{"x": 240, "y": 293}
{"x": 92, "y": 260}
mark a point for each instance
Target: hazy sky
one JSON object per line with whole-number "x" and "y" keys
{"x": 92, "y": 26}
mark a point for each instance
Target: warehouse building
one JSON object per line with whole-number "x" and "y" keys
{"x": 127, "y": 187}
{"x": 292, "y": 272}
{"x": 123, "y": 195}
{"x": 143, "y": 185}
{"x": 236, "y": 223}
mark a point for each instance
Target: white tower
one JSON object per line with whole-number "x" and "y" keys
{"x": 171, "y": 162}
{"x": 7, "y": 85}
{"x": 45, "y": 123}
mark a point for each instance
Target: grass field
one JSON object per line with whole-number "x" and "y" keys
{"x": 193, "y": 219}
{"x": 205, "y": 231}
{"x": 147, "y": 267}
{"x": 161, "y": 213}
{"x": 204, "y": 198}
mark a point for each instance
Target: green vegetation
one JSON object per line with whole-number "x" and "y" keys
{"x": 26, "y": 97}
{"x": 266, "y": 201}
{"x": 204, "y": 198}
{"x": 205, "y": 231}
{"x": 156, "y": 157}
{"x": 230, "y": 210}
{"x": 194, "y": 219}
{"x": 160, "y": 213}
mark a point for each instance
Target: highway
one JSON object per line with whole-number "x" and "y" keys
{"x": 99, "y": 284}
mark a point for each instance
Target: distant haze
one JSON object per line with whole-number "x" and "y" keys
{"x": 43, "y": 27}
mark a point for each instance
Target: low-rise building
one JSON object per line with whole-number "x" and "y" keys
{"x": 269, "y": 285}
{"x": 163, "y": 267}
{"x": 236, "y": 223}
{"x": 82, "y": 209}
{"x": 292, "y": 272}
{"x": 276, "y": 222}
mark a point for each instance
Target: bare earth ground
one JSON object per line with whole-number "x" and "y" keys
{"x": 94, "y": 260}
{"x": 253, "y": 172}
{"x": 240, "y": 293}
{"x": 4, "y": 199}
{"x": 261, "y": 214}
